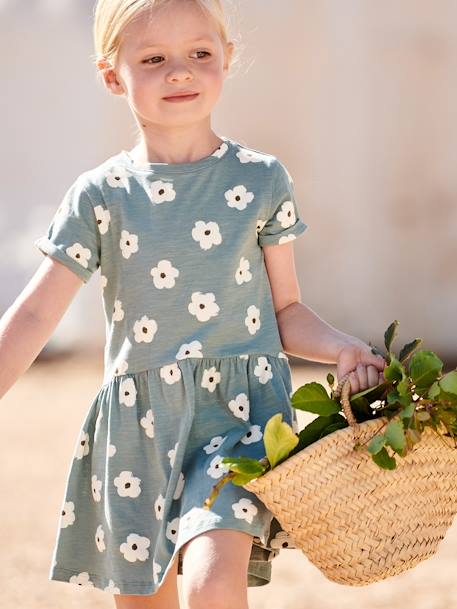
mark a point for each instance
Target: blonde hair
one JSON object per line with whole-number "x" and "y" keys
{"x": 112, "y": 16}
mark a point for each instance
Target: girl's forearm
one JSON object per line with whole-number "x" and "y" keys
{"x": 22, "y": 337}
{"x": 304, "y": 334}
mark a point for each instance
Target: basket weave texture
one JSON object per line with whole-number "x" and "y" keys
{"x": 354, "y": 521}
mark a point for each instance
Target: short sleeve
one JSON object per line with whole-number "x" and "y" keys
{"x": 283, "y": 223}
{"x": 73, "y": 236}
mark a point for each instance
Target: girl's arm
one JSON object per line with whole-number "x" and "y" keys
{"x": 32, "y": 318}
{"x": 304, "y": 334}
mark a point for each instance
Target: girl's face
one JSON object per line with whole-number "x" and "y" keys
{"x": 174, "y": 48}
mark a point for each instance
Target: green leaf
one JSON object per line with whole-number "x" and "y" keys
{"x": 395, "y": 436}
{"x": 390, "y": 334}
{"x": 434, "y": 390}
{"x": 384, "y": 460}
{"x": 312, "y": 397}
{"x": 409, "y": 348}
{"x": 330, "y": 379}
{"x": 317, "y": 429}
{"x": 395, "y": 371}
{"x": 404, "y": 389}
{"x": 449, "y": 382}
{"x": 425, "y": 368}
{"x": 242, "y": 479}
{"x": 244, "y": 465}
{"x": 408, "y": 412}
{"x": 279, "y": 439}
{"x": 376, "y": 444}
{"x": 423, "y": 415}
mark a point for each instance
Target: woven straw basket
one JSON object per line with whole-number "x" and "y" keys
{"x": 354, "y": 521}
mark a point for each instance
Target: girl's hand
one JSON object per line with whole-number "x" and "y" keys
{"x": 364, "y": 367}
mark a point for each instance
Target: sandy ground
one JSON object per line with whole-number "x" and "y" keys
{"x": 40, "y": 418}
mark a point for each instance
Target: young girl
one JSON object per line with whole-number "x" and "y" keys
{"x": 193, "y": 233}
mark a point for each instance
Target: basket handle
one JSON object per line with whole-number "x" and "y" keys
{"x": 343, "y": 389}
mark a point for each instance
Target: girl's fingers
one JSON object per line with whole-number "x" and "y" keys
{"x": 355, "y": 387}
{"x": 373, "y": 376}
{"x": 362, "y": 376}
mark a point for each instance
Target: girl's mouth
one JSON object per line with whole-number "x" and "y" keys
{"x": 181, "y": 98}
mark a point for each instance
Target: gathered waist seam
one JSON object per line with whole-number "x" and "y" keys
{"x": 126, "y": 374}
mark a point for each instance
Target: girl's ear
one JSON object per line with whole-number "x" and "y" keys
{"x": 109, "y": 77}
{"x": 228, "y": 56}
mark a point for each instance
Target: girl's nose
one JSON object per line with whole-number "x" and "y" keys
{"x": 178, "y": 72}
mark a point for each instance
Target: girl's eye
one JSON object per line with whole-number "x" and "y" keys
{"x": 151, "y": 61}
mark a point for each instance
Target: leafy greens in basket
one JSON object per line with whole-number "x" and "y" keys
{"x": 415, "y": 394}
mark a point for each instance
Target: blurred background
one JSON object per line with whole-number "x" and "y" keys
{"x": 359, "y": 100}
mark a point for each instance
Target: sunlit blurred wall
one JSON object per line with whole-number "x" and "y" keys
{"x": 357, "y": 98}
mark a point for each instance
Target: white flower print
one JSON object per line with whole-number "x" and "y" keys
{"x": 221, "y": 150}
{"x": 158, "y": 506}
{"x": 172, "y": 454}
{"x": 203, "y": 306}
{"x": 96, "y": 488}
{"x": 254, "y": 435}
{"x": 214, "y": 444}
{"x": 238, "y": 197}
{"x": 118, "y": 311}
{"x": 135, "y": 548}
{"x": 144, "y": 329}
{"x": 192, "y": 349}
{"x": 207, "y": 234}
{"x": 161, "y": 192}
{"x": 170, "y": 373}
{"x": 244, "y": 509}
{"x": 282, "y": 539}
{"x": 118, "y": 178}
{"x": 67, "y": 516}
{"x": 286, "y": 238}
{"x": 103, "y": 281}
{"x": 148, "y": 423}
{"x": 252, "y": 319}
{"x": 164, "y": 274}
{"x": 179, "y": 486}
{"x": 172, "y": 529}
{"x": 263, "y": 370}
{"x": 121, "y": 367}
{"x": 156, "y": 569}
{"x": 244, "y": 356}
{"x": 79, "y": 253}
{"x": 216, "y": 468}
{"x": 100, "y": 538}
{"x": 128, "y": 243}
{"x": 127, "y": 392}
{"x": 127, "y": 484}
{"x": 283, "y": 355}
{"x": 103, "y": 218}
{"x": 111, "y": 450}
{"x": 286, "y": 215}
{"x": 111, "y": 588}
{"x": 260, "y": 225}
{"x": 82, "y": 579}
{"x": 240, "y": 406}
{"x": 83, "y": 445}
{"x": 251, "y": 156}
{"x": 211, "y": 378}
{"x": 243, "y": 274}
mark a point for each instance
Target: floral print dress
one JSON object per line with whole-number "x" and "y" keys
{"x": 193, "y": 362}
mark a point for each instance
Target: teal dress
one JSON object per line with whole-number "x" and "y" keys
{"x": 193, "y": 362}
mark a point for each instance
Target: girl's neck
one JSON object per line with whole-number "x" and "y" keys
{"x": 176, "y": 148}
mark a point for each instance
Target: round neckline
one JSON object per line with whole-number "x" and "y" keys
{"x": 173, "y": 168}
